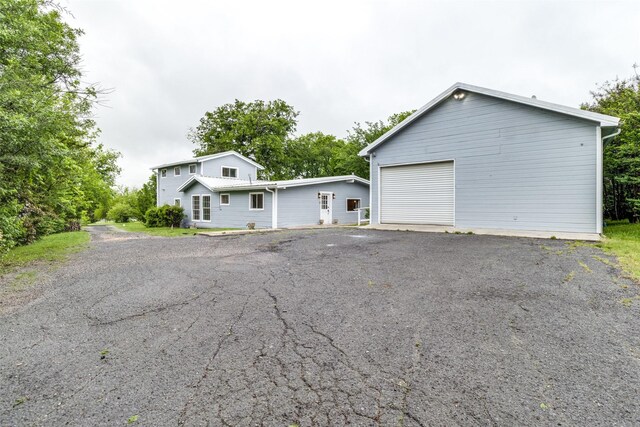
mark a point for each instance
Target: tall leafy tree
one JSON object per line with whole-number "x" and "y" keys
{"x": 311, "y": 155}
{"x": 147, "y": 196}
{"x": 50, "y": 173}
{"x": 621, "y": 169}
{"x": 255, "y": 129}
{"x": 347, "y": 161}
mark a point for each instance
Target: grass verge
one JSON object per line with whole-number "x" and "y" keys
{"x": 138, "y": 227}
{"x": 623, "y": 240}
{"x": 55, "y": 247}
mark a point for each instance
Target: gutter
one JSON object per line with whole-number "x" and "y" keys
{"x": 616, "y": 133}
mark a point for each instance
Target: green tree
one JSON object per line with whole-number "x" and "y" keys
{"x": 621, "y": 169}
{"x": 50, "y": 173}
{"x": 257, "y": 130}
{"x": 147, "y": 196}
{"x": 311, "y": 155}
{"x": 347, "y": 161}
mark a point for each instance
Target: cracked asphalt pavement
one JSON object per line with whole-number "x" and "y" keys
{"x": 325, "y": 327}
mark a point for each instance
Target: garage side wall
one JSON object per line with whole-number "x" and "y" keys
{"x": 516, "y": 166}
{"x": 301, "y": 206}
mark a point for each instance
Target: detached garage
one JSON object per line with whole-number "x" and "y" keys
{"x": 476, "y": 158}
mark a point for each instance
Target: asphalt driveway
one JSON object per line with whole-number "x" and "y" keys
{"x": 325, "y": 327}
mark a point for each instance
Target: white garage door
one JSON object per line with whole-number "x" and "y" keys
{"x": 417, "y": 194}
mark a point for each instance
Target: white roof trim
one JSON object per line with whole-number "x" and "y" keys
{"x": 602, "y": 119}
{"x": 209, "y": 157}
{"x": 226, "y": 184}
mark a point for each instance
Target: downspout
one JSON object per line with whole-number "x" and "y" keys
{"x": 616, "y": 133}
{"x": 600, "y": 178}
{"x": 274, "y": 207}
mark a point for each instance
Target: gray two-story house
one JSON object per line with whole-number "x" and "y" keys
{"x": 223, "y": 191}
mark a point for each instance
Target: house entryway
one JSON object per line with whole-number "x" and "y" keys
{"x": 326, "y": 202}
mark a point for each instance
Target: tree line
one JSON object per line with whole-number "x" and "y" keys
{"x": 53, "y": 174}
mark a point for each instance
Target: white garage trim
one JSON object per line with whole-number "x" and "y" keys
{"x": 448, "y": 216}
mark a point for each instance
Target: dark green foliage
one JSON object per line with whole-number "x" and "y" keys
{"x": 257, "y": 130}
{"x": 359, "y": 137}
{"x": 51, "y": 176}
{"x": 152, "y": 218}
{"x": 164, "y": 216}
{"x": 621, "y": 98}
{"x": 146, "y": 196}
{"x": 263, "y": 131}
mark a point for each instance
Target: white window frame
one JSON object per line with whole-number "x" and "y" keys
{"x": 163, "y": 173}
{"x": 195, "y": 169}
{"x": 177, "y": 168}
{"x": 228, "y": 199}
{"x": 202, "y": 207}
{"x": 222, "y": 168}
{"x": 199, "y": 208}
{"x": 177, "y": 199}
{"x": 251, "y": 199}
{"x": 346, "y": 202}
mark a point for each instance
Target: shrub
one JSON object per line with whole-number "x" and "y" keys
{"x": 152, "y": 218}
{"x": 164, "y": 216}
{"x": 121, "y": 212}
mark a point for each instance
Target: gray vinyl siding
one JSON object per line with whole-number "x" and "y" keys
{"x": 300, "y": 205}
{"x": 168, "y": 186}
{"x": 213, "y": 168}
{"x": 235, "y": 215}
{"x": 516, "y": 166}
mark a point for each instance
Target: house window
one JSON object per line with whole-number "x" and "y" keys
{"x": 163, "y": 173}
{"x": 176, "y": 171}
{"x": 256, "y": 201}
{"x": 353, "y": 205}
{"x": 192, "y": 169}
{"x": 206, "y": 208}
{"x": 228, "y": 172}
{"x": 224, "y": 199}
{"x": 195, "y": 208}
{"x": 176, "y": 202}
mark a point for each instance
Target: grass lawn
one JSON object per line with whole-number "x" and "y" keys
{"x": 55, "y": 247}
{"x": 623, "y": 239}
{"x": 139, "y": 227}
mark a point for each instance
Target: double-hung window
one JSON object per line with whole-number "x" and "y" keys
{"x": 195, "y": 208}
{"x": 176, "y": 171}
{"x": 163, "y": 173}
{"x": 192, "y": 169}
{"x": 206, "y": 207}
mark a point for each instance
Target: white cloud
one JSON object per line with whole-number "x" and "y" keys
{"x": 336, "y": 62}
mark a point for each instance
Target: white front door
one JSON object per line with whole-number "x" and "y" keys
{"x": 326, "y": 200}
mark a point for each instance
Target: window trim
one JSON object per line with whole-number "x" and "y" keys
{"x": 251, "y": 199}
{"x": 179, "y": 200}
{"x": 199, "y": 208}
{"x": 163, "y": 173}
{"x": 222, "y": 168}
{"x": 179, "y": 169}
{"x": 228, "y": 199}
{"x": 195, "y": 169}
{"x": 202, "y": 196}
{"x": 346, "y": 202}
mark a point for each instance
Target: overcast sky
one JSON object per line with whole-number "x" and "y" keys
{"x": 335, "y": 62}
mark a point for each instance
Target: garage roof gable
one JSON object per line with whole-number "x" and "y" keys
{"x": 600, "y": 119}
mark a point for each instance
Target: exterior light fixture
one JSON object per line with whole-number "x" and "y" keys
{"x": 459, "y": 95}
